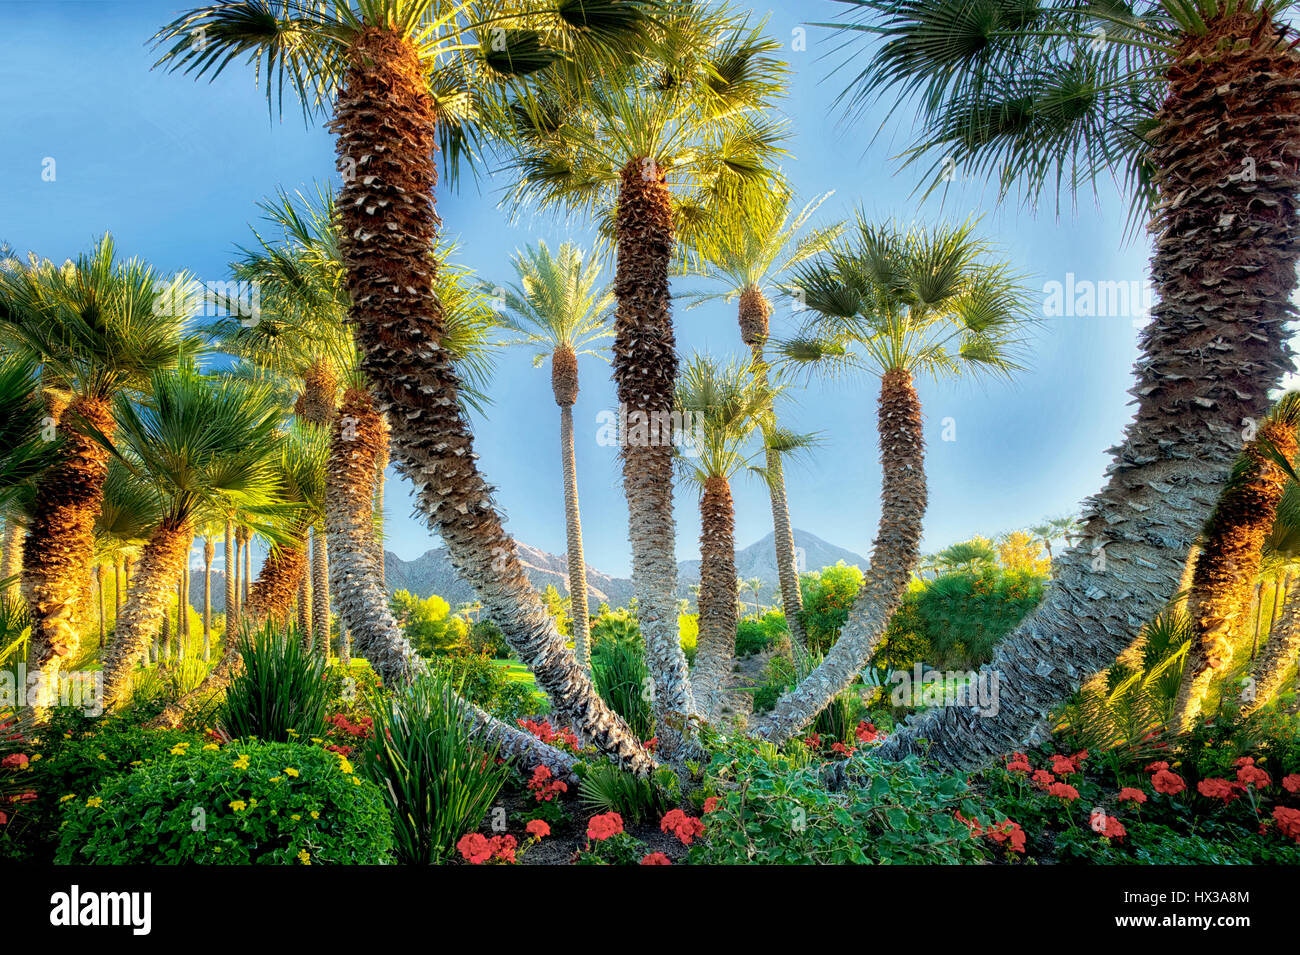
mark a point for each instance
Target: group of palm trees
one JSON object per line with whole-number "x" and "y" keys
{"x": 655, "y": 121}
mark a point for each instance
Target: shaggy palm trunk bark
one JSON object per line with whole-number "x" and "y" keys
{"x": 894, "y": 555}
{"x": 209, "y": 553}
{"x": 754, "y": 313}
{"x": 117, "y": 588}
{"x": 386, "y": 129}
{"x": 228, "y": 556}
{"x": 246, "y": 597}
{"x": 381, "y": 468}
{"x": 564, "y": 383}
{"x": 645, "y": 368}
{"x": 1229, "y": 560}
{"x": 60, "y": 544}
{"x": 320, "y": 598}
{"x": 717, "y": 600}
{"x": 304, "y": 607}
{"x": 1281, "y": 654}
{"x": 146, "y": 606}
{"x": 11, "y": 561}
{"x": 1224, "y": 269}
{"x": 100, "y": 576}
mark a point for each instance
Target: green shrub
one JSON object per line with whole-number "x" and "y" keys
{"x": 839, "y": 720}
{"x": 619, "y": 671}
{"x": 688, "y": 630}
{"x": 604, "y": 787}
{"x": 438, "y": 779}
{"x": 827, "y": 597}
{"x": 267, "y": 803}
{"x": 485, "y": 684}
{"x": 487, "y": 639}
{"x": 428, "y": 623}
{"x": 773, "y": 810}
{"x": 281, "y": 693}
{"x": 777, "y": 677}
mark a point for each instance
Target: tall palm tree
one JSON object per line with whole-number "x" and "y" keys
{"x": 401, "y": 78}
{"x": 747, "y": 256}
{"x": 1194, "y": 106}
{"x": 727, "y": 405}
{"x": 205, "y": 444}
{"x": 99, "y": 328}
{"x": 896, "y": 304}
{"x": 24, "y": 455}
{"x": 560, "y": 309}
{"x": 1231, "y": 554}
{"x": 653, "y": 144}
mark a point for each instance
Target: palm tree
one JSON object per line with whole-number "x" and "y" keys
{"x": 896, "y": 304}
{"x": 652, "y": 143}
{"x": 1231, "y": 554}
{"x": 747, "y": 256}
{"x": 206, "y": 444}
{"x": 99, "y": 328}
{"x": 726, "y": 405}
{"x": 1042, "y": 97}
{"x": 24, "y": 455}
{"x": 560, "y": 309}
{"x": 418, "y": 65}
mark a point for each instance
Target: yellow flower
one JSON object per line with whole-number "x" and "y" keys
{"x": 292, "y": 732}
{"x": 344, "y": 766}
{"x": 242, "y": 762}
{"x": 212, "y": 746}
{"x": 355, "y": 781}
{"x": 102, "y": 756}
{"x": 67, "y": 797}
{"x": 178, "y": 749}
{"x": 296, "y": 817}
{"x": 315, "y": 814}
{"x": 94, "y": 802}
{"x": 252, "y": 804}
{"x": 239, "y": 805}
{"x": 290, "y": 771}
{"x": 36, "y": 756}
{"x": 304, "y": 857}
{"x": 277, "y": 779}
{"x": 317, "y": 739}
{"x": 136, "y": 762}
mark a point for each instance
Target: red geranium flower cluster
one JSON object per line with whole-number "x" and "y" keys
{"x": 14, "y": 761}
{"x": 1164, "y": 781}
{"x": 563, "y": 737}
{"x": 684, "y": 827}
{"x": 537, "y": 828}
{"x": 603, "y": 826}
{"x": 1063, "y": 791}
{"x": 1106, "y": 825}
{"x": 813, "y": 740}
{"x": 1288, "y": 822}
{"x": 1129, "y": 794}
{"x": 1291, "y": 783}
{"x": 9, "y": 724}
{"x": 655, "y": 858}
{"x": 1219, "y": 789}
{"x": 845, "y": 751}
{"x": 711, "y": 803}
{"x": 1248, "y": 774}
{"x": 477, "y": 848}
{"x": 544, "y": 786}
{"x": 1042, "y": 778}
{"x": 866, "y": 732}
{"x": 1068, "y": 765}
{"x": 1006, "y": 832}
{"x": 364, "y": 728}
{"x": 1019, "y": 763}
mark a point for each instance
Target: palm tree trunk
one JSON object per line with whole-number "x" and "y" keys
{"x": 564, "y": 382}
{"x": 232, "y": 573}
{"x": 146, "y": 607}
{"x": 717, "y": 600}
{"x": 100, "y": 576}
{"x": 247, "y": 580}
{"x": 304, "y": 607}
{"x": 320, "y": 598}
{"x": 645, "y": 368}
{"x": 381, "y": 468}
{"x": 117, "y": 588}
{"x": 388, "y": 227}
{"x": 1229, "y": 560}
{"x": 345, "y": 644}
{"x": 1224, "y": 268}
{"x": 1280, "y": 655}
{"x": 894, "y": 554}
{"x": 209, "y": 553}
{"x": 11, "y": 561}
{"x": 59, "y": 546}
{"x": 754, "y": 311}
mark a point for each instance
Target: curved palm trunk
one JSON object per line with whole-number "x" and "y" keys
{"x": 1280, "y": 655}
{"x": 1228, "y": 562}
{"x": 1224, "y": 268}
{"x": 754, "y": 312}
{"x": 564, "y": 383}
{"x": 209, "y": 553}
{"x": 386, "y": 129}
{"x": 59, "y": 546}
{"x": 717, "y": 599}
{"x": 320, "y": 598}
{"x": 146, "y": 606}
{"x": 894, "y": 555}
{"x": 645, "y": 368}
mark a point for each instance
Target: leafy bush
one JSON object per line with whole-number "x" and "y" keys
{"x": 688, "y": 630}
{"x": 281, "y": 694}
{"x": 604, "y": 787}
{"x": 268, "y": 803}
{"x": 428, "y": 623}
{"x": 778, "y": 676}
{"x": 484, "y": 683}
{"x": 438, "y": 779}
{"x": 487, "y": 639}
{"x": 619, "y": 671}
{"x": 772, "y": 808}
{"x": 755, "y": 635}
{"x": 827, "y": 597}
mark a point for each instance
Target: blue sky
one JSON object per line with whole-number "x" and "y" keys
{"x": 174, "y": 169}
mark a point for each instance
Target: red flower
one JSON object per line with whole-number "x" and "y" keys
{"x": 1171, "y": 784}
{"x": 475, "y": 848}
{"x": 1129, "y": 794}
{"x": 1019, "y": 763}
{"x": 1063, "y": 791}
{"x": 866, "y": 732}
{"x": 1063, "y": 765}
{"x": 1288, "y": 822}
{"x": 1251, "y": 775}
{"x": 1008, "y": 832}
{"x": 503, "y": 848}
{"x": 14, "y": 761}
{"x": 652, "y": 743}
{"x": 1043, "y": 778}
{"x": 711, "y": 803}
{"x": 684, "y": 827}
{"x": 841, "y": 749}
{"x": 603, "y": 826}
{"x": 1244, "y": 761}
{"x": 1291, "y": 783}
{"x": 1114, "y": 829}
{"x": 813, "y": 740}
{"x": 543, "y": 787}
{"x": 3, "y": 818}
{"x": 1219, "y": 789}
{"x": 537, "y": 828}
{"x": 1157, "y": 767}
{"x": 655, "y": 858}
